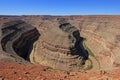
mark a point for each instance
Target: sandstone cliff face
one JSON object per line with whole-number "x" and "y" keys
{"x": 18, "y": 38}
{"x": 101, "y": 34}
{"x": 61, "y": 48}
{"x": 75, "y": 40}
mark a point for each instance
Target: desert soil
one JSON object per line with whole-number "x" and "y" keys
{"x": 14, "y": 71}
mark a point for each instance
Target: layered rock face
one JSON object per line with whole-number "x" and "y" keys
{"x": 18, "y": 38}
{"x": 102, "y": 34}
{"x": 61, "y": 48}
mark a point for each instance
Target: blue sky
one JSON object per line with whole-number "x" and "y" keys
{"x": 59, "y": 7}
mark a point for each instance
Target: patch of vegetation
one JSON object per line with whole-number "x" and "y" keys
{"x": 89, "y": 51}
{"x": 49, "y": 68}
{"x": 91, "y": 54}
{"x": 90, "y": 66}
{"x": 34, "y": 46}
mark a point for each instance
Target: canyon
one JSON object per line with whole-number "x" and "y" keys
{"x": 67, "y": 43}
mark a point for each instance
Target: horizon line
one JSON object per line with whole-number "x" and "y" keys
{"x": 59, "y": 15}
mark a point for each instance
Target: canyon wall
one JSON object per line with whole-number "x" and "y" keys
{"x": 17, "y": 38}
{"x": 60, "y": 47}
{"x": 101, "y": 36}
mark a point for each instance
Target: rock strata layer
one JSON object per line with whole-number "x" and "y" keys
{"x": 101, "y": 35}
{"x": 18, "y": 38}
{"x": 61, "y": 48}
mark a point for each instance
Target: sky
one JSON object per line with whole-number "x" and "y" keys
{"x": 59, "y": 7}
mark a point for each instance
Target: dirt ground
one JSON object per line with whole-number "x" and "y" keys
{"x": 14, "y": 71}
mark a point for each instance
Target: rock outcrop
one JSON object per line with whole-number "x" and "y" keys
{"x": 61, "y": 48}
{"x": 101, "y": 33}
{"x": 18, "y": 38}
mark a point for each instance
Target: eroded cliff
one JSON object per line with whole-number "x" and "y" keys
{"x": 61, "y": 48}
{"x": 100, "y": 34}
{"x": 18, "y": 38}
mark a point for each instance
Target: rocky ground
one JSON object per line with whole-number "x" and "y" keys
{"x": 12, "y": 71}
